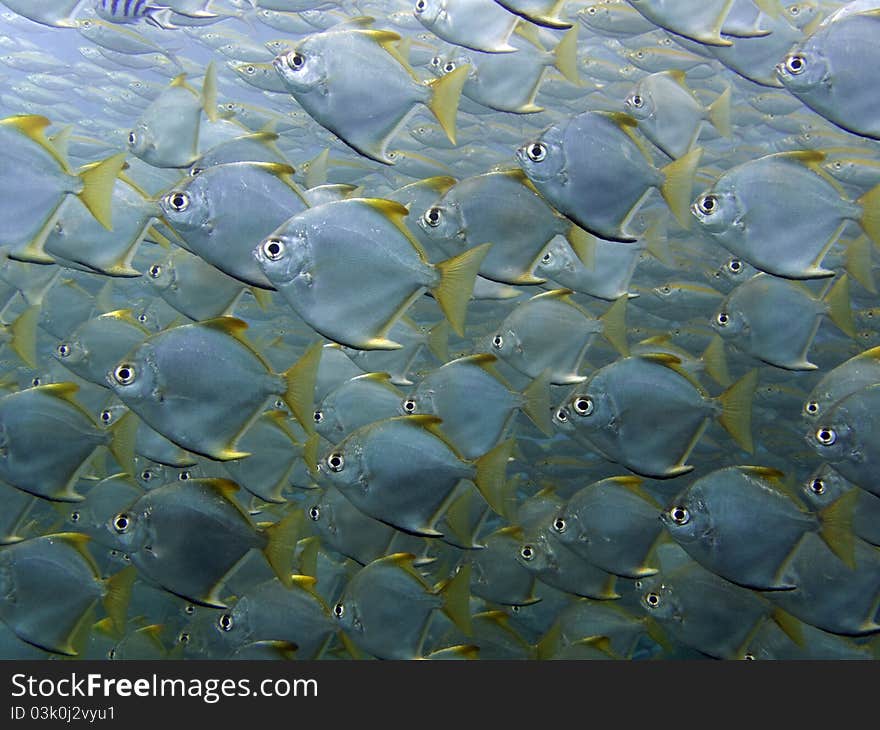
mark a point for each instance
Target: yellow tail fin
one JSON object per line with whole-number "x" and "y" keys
{"x": 281, "y": 544}
{"x": 678, "y": 185}
{"x": 300, "y": 379}
{"x": 97, "y": 194}
{"x": 457, "y": 277}
{"x": 536, "y": 403}
{"x": 445, "y": 95}
{"x": 736, "y": 409}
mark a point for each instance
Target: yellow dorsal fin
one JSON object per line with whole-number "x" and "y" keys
{"x": 78, "y": 541}
{"x": 375, "y": 377}
{"x": 275, "y": 168}
{"x": 663, "y": 358}
{"x": 390, "y": 208}
{"x": 225, "y": 487}
{"x": 622, "y": 120}
{"x": 678, "y": 76}
{"x": 555, "y": 294}
{"x": 232, "y": 326}
{"x": 514, "y": 531}
{"x": 65, "y": 391}
{"x": 33, "y": 126}
{"x": 306, "y": 582}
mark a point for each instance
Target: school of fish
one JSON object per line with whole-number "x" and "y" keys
{"x": 439, "y": 329}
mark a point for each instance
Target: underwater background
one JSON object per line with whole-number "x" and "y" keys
{"x": 447, "y": 329}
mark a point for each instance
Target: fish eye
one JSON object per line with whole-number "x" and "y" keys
{"x": 63, "y": 350}
{"x": 795, "y": 64}
{"x": 273, "y": 249}
{"x": 155, "y": 271}
{"x": 132, "y": 138}
{"x": 36, "y": 382}
{"x": 527, "y": 552}
{"x": 734, "y": 266}
{"x": 679, "y": 515}
{"x": 184, "y": 476}
{"x": 420, "y": 6}
{"x": 723, "y": 319}
{"x": 811, "y": 408}
{"x": 106, "y": 416}
{"x": 432, "y": 217}
{"x": 183, "y": 638}
{"x": 178, "y": 201}
{"x": 436, "y": 61}
{"x": 224, "y": 623}
{"x": 637, "y": 101}
{"x": 826, "y": 436}
{"x": 121, "y": 523}
{"x": 189, "y": 609}
{"x": 664, "y": 290}
{"x": 547, "y": 258}
{"x": 583, "y": 405}
{"x": 318, "y": 416}
{"x": 497, "y": 342}
{"x": 146, "y": 475}
{"x": 195, "y": 171}
{"x": 749, "y": 657}
{"x": 708, "y": 204}
{"x": 314, "y": 514}
{"x": 559, "y": 525}
{"x": 295, "y": 60}
{"x": 339, "y": 610}
{"x": 449, "y": 67}
{"x": 817, "y": 486}
{"x": 142, "y": 318}
{"x": 536, "y": 151}
{"x": 74, "y": 516}
{"x": 562, "y": 415}
{"x": 652, "y": 600}
{"x": 409, "y": 405}
{"x": 124, "y": 374}
{"x": 336, "y": 462}
{"x": 250, "y": 70}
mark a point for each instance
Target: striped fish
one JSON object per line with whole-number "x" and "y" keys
{"x": 132, "y": 11}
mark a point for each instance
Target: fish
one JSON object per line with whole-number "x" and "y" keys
{"x": 844, "y": 436}
{"x": 194, "y": 564}
{"x": 99, "y": 343}
{"x": 374, "y": 468}
{"x": 822, "y": 72}
{"x": 669, "y": 114}
{"x": 647, "y": 414}
{"x": 592, "y": 169}
{"x": 612, "y": 524}
{"x": 743, "y": 523}
{"x": 204, "y": 212}
{"x": 480, "y": 25}
{"x": 316, "y": 257}
{"x": 776, "y": 320}
{"x": 52, "y": 585}
{"x": 518, "y": 228}
{"x": 690, "y": 603}
{"x": 160, "y": 378}
{"x": 366, "y": 614}
{"x": 330, "y": 74}
{"x": 31, "y": 416}
{"x": 551, "y": 332}
{"x": 735, "y": 213}
{"x": 132, "y": 11}
{"x": 474, "y": 405}
{"x": 43, "y": 179}
{"x": 167, "y": 133}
